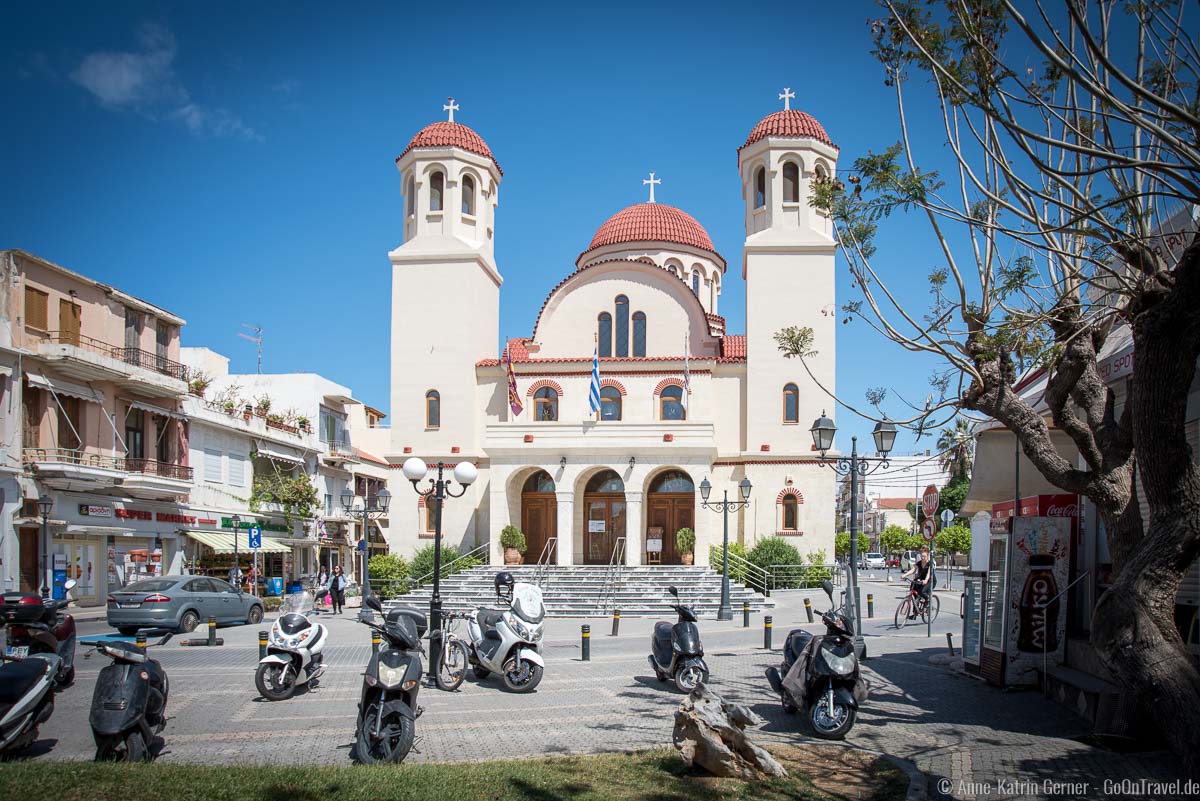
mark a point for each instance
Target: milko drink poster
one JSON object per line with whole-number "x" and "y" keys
{"x": 1037, "y": 617}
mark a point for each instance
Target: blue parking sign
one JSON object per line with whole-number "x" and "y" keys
{"x": 362, "y": 545}
{"x": 255, "y": 535}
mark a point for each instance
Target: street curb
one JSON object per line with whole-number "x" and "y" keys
{"x": 918, "y": 782}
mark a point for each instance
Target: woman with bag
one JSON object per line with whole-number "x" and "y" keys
{"x": 337, "y": 589}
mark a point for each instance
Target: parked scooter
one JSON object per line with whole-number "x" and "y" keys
{"x": 129, "y": 706}
{"x": 39, "y": 625}
{"x": 676, "y": 652}
{"x": 820, "y": 675}
{"x": 508, "y": 641}
{"x": 26, "y": 697}
{"x": 293, "y": 650}
{"x": 387, "y": 710}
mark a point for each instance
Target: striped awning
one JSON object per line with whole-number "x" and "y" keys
{"x": 60, "y": 387}
{"x": 222, "y": 542}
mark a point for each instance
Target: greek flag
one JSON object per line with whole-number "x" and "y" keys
{"x": 687, "y": 376}
{"x": 594, "y": 391}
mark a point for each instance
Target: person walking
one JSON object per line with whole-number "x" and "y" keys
{"x": 337, "y": 589}
{"x": 235, "y": 577}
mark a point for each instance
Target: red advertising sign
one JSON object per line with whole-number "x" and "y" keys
{"x": 930, "y": 501}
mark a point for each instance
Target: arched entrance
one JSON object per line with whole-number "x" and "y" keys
{"x": 603, "y": 516}
{"x": 670, "y": 506}
{"x": 539, "y": 516}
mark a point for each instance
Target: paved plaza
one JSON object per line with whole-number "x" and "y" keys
{"x": 952, "y": 727}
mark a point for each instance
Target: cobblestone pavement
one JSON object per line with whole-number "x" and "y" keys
{"x": 968, "y": 737}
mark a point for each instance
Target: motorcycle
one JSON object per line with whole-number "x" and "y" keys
{"x": 509, "y": 641}
{"x": 293, "y": 650}
{"x": 38, "y": 625}
{"x": 129, "y": 705}
{"x": 820, "y": 675}
{"x": 387, "y": 710}
{"x": 26, "y": 697}
{"x": 675, "y": 650}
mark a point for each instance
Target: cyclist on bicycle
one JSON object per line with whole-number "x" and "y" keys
{"x": 923, "y": 579}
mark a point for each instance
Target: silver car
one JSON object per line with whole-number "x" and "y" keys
{"x": 181, "y": 603}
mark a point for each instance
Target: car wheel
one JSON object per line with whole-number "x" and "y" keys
{"x": 127, "y": 631}
{"x": 188, "y": 622}
{"x": 255, "y": 616}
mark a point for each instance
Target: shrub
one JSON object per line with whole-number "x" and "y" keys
{"x": 773, "y": 552}
{"x": 511, "y": 537}
{"x": 272, "y": 603}
{"x": 389, "y": 575}
{"x": 817, "y": 570}
{"x": 422, "y": 563}
{"x": 685, "y": 540}
{"x": 737, "y": 571}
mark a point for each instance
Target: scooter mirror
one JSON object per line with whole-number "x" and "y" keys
{"x": 69, "y": 584}
{"x": 828, "y": 587}
{"x": 373, "y": 602}
{"x": 673, "y": 591}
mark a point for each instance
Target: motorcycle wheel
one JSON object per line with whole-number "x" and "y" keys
{"x": 453, "y": 668}
{"x": 130, "y": 748}
{"x": 524, "y": 676}
{"x": 393, "y": 744}
{"x": 789, "y": 708}
{"x": 834, "y": 728}
{"x": 687, "y": 678}
{"x": 271, "y": 683}
{"x": 68, "y": 678}
{"x": 481, "y": 672}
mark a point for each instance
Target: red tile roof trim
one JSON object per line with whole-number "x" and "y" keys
{"x": 789, "y": 124}
{"x": 790, "y": 491}
{"x": 545, "y": 382}
{"x": 668, "y": 382}
{"x": 611, "y": 382}
{"x": 451, "y": 134}
{"x": 652, "y": 222}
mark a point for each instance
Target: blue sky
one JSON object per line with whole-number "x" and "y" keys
{"x": 237, "y": 166}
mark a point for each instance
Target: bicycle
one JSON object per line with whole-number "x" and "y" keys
{"x": 914, "y": 605}
{"x": 452, "y": 669}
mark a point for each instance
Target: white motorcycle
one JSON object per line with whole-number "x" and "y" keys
{"x": 293, "y": 650}
{"x": 509, "y": 641}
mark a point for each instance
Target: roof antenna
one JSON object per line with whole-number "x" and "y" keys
{"x": 256, "y": 339}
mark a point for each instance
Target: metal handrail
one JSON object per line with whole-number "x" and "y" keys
{"x": 124, "y": 464}
{"x": 420, "y": 582}
{"x": 806, "y": 576}
{"x": 761, "y": 579}
{"x": 544, "y": 560}
{"x": 613, "y": 574}
{"x": 131, "y": 356}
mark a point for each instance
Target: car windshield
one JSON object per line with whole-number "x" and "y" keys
{"x": 150, "y": 585}
{"x": 874, "y": 556}
{"x": 299, "y": 602}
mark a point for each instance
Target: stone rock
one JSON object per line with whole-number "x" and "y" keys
{"x": 710, "y": 734}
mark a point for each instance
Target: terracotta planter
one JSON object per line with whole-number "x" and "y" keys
{"x": 687, "y": 558}
{"x": 513, "y": 557}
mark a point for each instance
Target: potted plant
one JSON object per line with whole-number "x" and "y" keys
{"x": 302, "y": 422}
{"x": 685, "y": 543}
{"x": 199, "y": 383}
{"x": 262, "y": 405}
{"x": 513, "y": 542}
{"x": 229, "y": 407}
{"x": 247, "y": 410}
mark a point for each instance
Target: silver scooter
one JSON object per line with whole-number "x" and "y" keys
{"x": 294, "y": 650}
{"x": 509, "y": 641}
{"x": 26, "y": 697}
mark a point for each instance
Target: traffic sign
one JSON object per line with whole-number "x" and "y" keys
{"x": 947, "y": 517}
{"x": 362, "y": 545}
{"x": 254, "y": 533}
{"x": 929, "y": 529}
{"x": 930, "y": 501}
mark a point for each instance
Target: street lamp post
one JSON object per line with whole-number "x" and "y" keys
{"x": 235, "y": 573}
{"x": 45, "y": 504}
{"x": 439, "y": 488}
{"x": 724, "y": 612}
{"x": 855, "y": 467}
{"x": 373, "y": 508}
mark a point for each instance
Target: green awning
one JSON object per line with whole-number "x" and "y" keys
{"x": 222, "y": 542}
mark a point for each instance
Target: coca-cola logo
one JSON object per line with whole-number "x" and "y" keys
{"x": 1068, "y": 510}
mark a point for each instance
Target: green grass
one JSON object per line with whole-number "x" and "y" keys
{"x": 648, "y": 776}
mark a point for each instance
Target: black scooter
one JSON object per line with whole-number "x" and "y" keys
{"x": 676, "y": 652}
{"x": 129, "y": 705}
{"x": 821, "y": 676}
{"x": 388, "y": 711}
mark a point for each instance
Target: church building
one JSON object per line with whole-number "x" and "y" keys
{"x": 681, "y": 399}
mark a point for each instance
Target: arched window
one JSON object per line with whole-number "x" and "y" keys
{"x": 791, "y": 404}
{"x": 760, "y": 188}
{"x": 604, "y": 333}
{"x": 604, "y": 481}
{"x": 622, "y": 348}
{"x": 412, "y": 196}
{"x": 696, "y": 283}
{"x": 437, "y": 185}
{"x": 639, "y": 333}
{"x": 468, "y": 195}
{"x": 545, "y": 405}
{"x": 433, "y": 409}
{"x": 610, "y": 403}
{"x": 791, "y": 513}
{"x": 672, "y": 481}
{"x": 539, "y": 482}
{"x": 670, "y": 403}
{"x": 791, "y": 182}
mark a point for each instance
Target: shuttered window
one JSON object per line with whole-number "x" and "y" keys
{"x": 237, "y": 470}
{"x": 212, "y": 465}
{"x": 36, "y": 309}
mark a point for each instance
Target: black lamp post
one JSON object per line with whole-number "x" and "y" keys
{"x": 235, "y": 578}
{"x": 884, "y": 434}
{"x": 373, "y": 507}
{"x": 724, "y": 612}
{"x": 464, "y": 473}
{"x": 45, "y": 504}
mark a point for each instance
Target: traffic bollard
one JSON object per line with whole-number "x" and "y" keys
{"x": 140, "y": 641}
{"x": 212, "y": 630}
{"x": 616, "y": 621}
{"x": 767, "y": 632}
{"x": 870, "y": 604}
{"x": 745, "y": 614}
{"x": 586, "y": 646}
{"x": 808, "y": 609}
{"x": 950, "y": 642}
{"x": 262, "y": 644}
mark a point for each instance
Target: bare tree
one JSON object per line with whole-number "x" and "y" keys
{"x": 1066, "y": 217}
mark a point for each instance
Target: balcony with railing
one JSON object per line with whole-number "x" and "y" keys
{"x": 81, "y": 469}
{"x": 90, "y": 359}
{"x": 338, "y": 448}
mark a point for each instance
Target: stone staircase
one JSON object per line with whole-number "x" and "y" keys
{"x": 595, "y": 591}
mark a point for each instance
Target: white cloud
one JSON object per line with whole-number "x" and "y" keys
{"x": 145, "y": 83}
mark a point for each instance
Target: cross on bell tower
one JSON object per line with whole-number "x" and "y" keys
{"x": 786, "y": 97}
{"x": 450, "y": 106}
{"x": 652, "y": 181}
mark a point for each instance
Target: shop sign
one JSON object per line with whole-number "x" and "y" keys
{"x": 87, "y": 510}
{"x": 171, "y": 517}
{"x": 1118, "y": 365}
{"x": 133, "y": 514}
{"x": 228, "y": 523}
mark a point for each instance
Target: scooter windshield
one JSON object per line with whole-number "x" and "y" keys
{"x": 527, "y": 603}
{"x": 300, "y": 603}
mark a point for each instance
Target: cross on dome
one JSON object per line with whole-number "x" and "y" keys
{"x": 450, "y": 106}
{"x": 652, "y": 181}
{"x": 786, "y": 97}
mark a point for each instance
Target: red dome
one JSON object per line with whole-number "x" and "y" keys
{"x": 790, "y": 124}
{"x": 652, "y": 222}
{"x": 451, "y": 134}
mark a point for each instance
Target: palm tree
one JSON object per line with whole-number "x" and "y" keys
{"x": 956, "y": 447}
